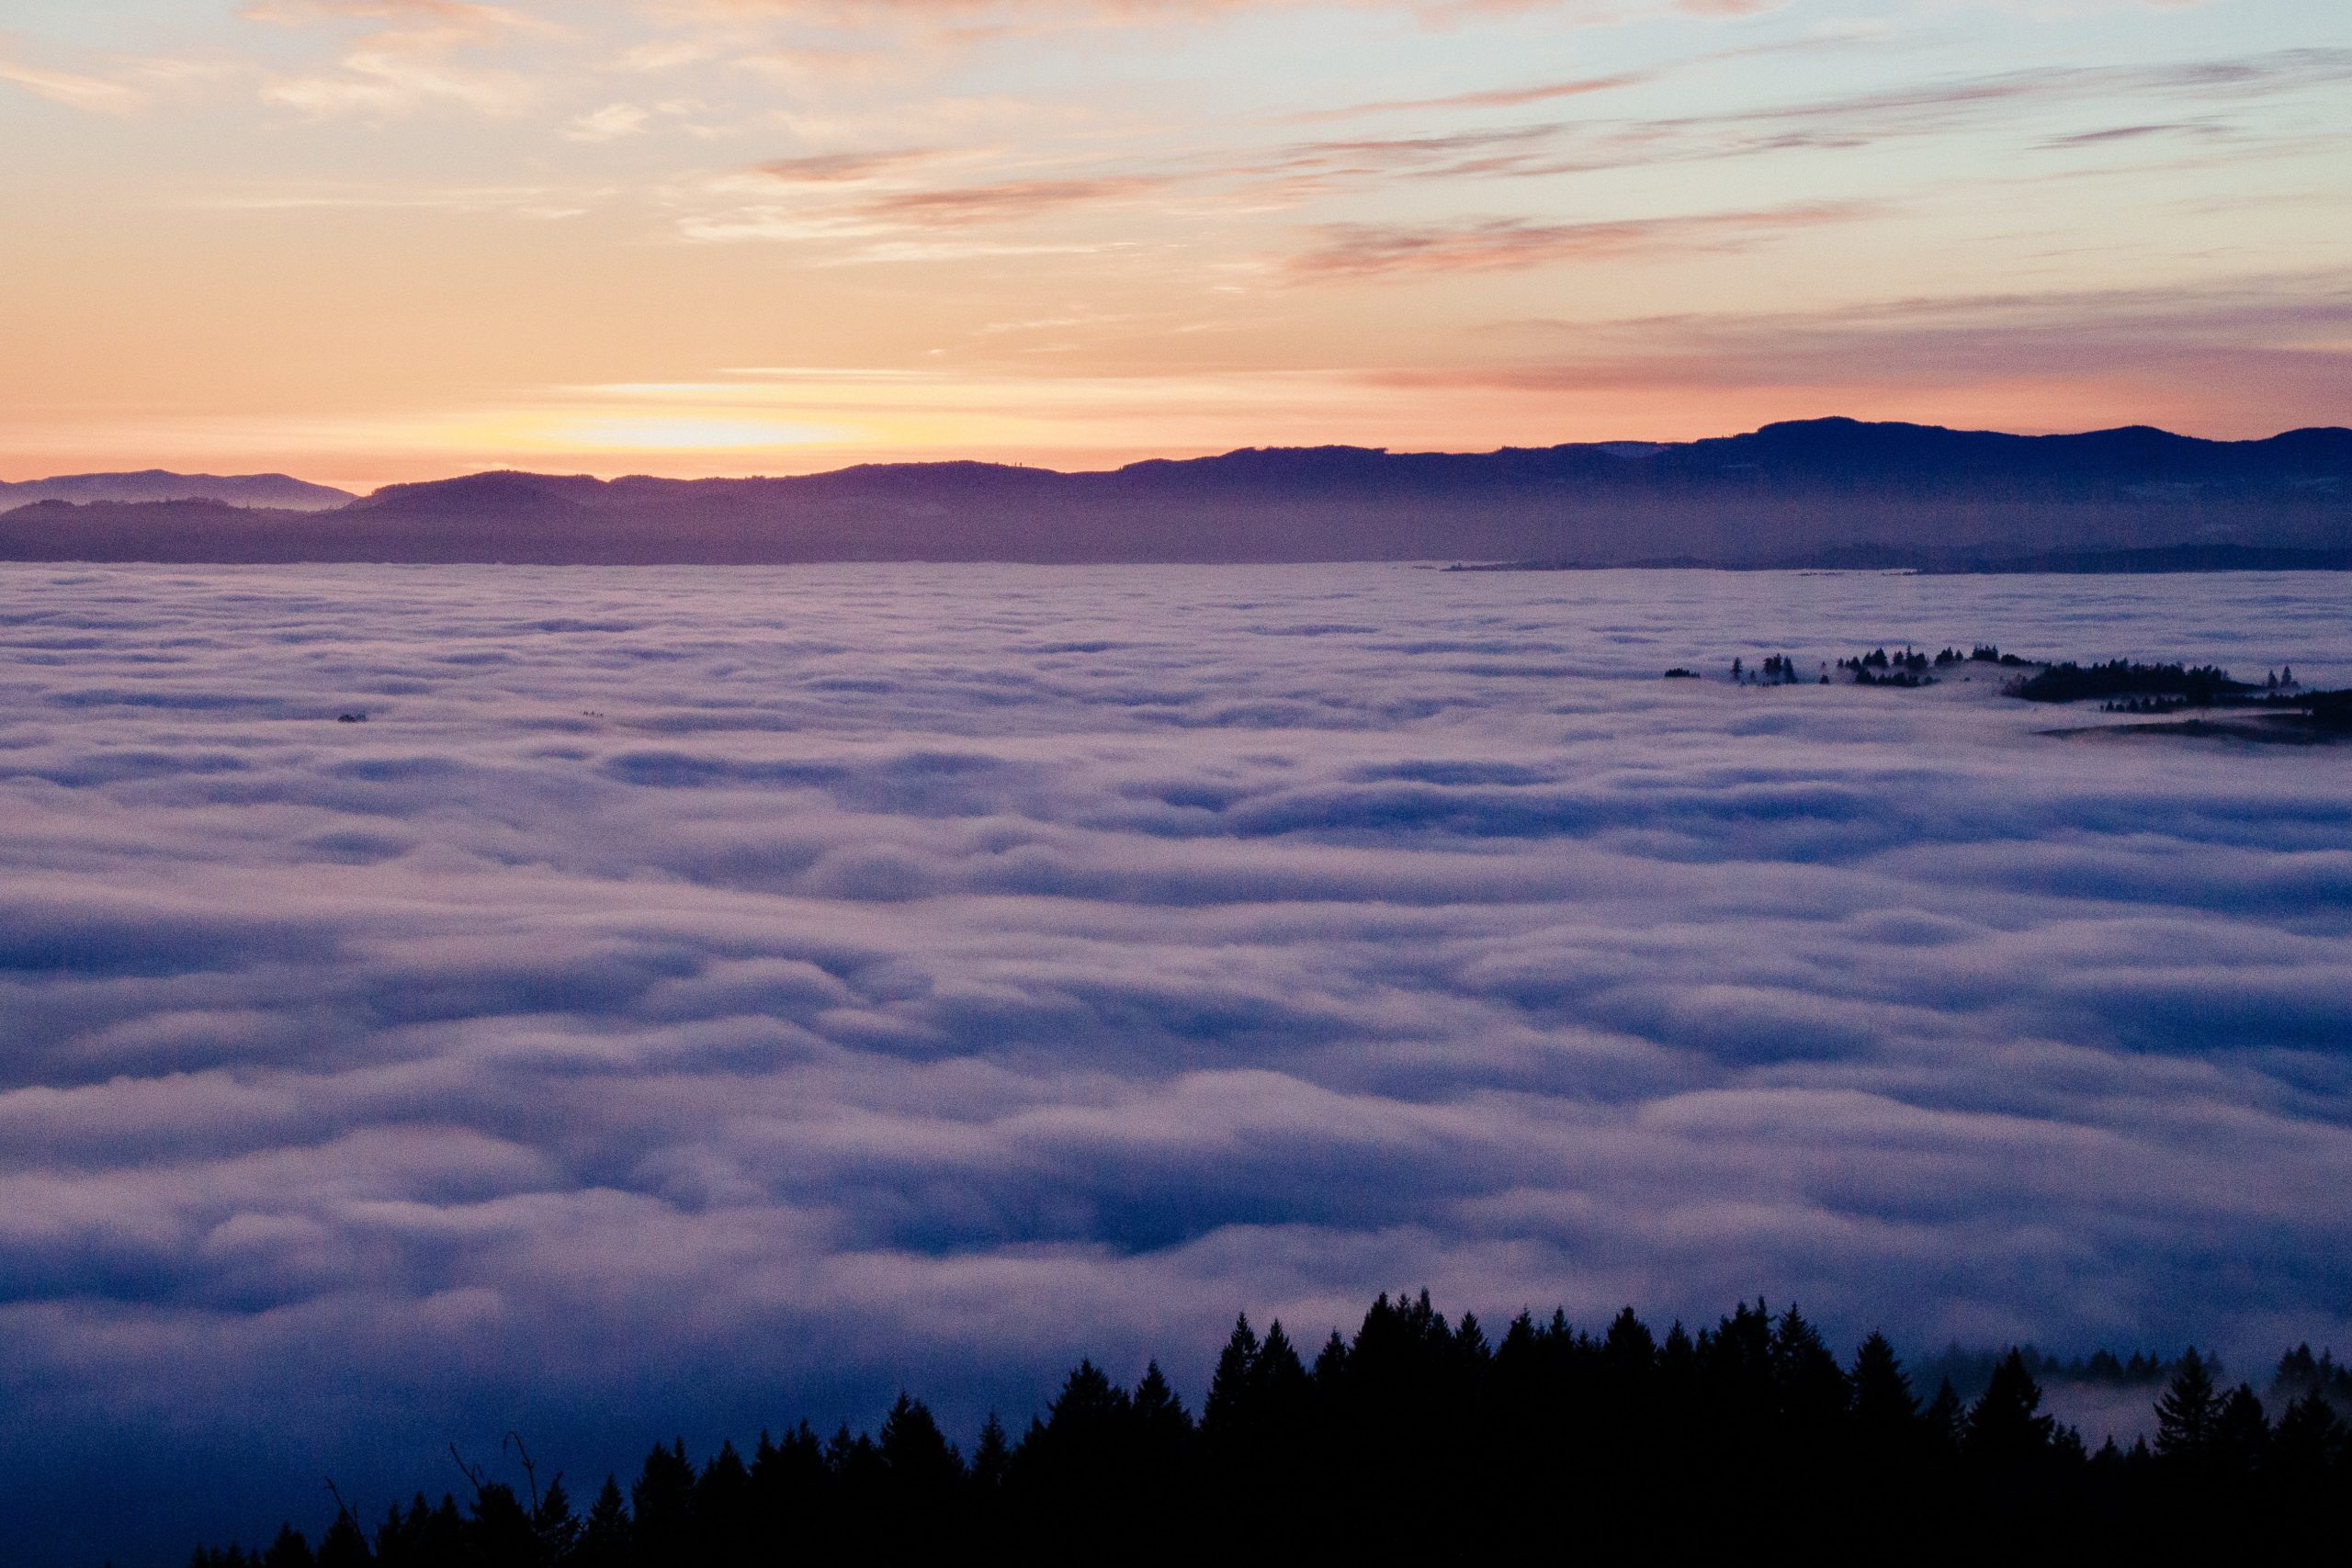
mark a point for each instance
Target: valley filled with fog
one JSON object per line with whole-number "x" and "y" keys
{"x": 698, "y": 997}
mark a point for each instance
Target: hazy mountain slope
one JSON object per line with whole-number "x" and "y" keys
{"x": 1822, "y": 491}
{"x": 155, "y": 484}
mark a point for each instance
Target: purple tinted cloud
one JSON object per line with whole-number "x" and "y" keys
{"x": 1382, "y": 250}
{"x": 693, "y": 998}
{"x": 2263, "y": 337}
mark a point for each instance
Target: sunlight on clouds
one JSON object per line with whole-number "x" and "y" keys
{"x": 609, "y": 123}
{"x": 1656, "y": 380}
{"x": 1263, "y": 221}
{"x": 391, "y": 81}
{"x": 434, "y": 19}
{"x": 653, "y": 434}
{"x": 1112, "y": 418}
{"x": 776, "y": 420}
{"x": 98, "y": 95}
{"x": 832, "y": 418}
{"x": 524, "y": 202}
{"x": 409, "y": 63}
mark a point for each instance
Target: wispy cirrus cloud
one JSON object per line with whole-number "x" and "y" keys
{"x": 2274, "y": 350}
{"x": 2284, "y": 325}
{"x": 848, "y": 168}
{"x": 414, "y": 60}
{"x": 524, "y": 201}
{"x": 1344, "y": 165}
{"x": 1485, "y": 98}
{"x": 1375, "y": 250}
{"x": 475, "y": 17}
{"x": 872, "y": 200}
{"x": 1830, "y": 124}
{"x": 2108, "y": 135}
{"x": 1347, "y": 166}
{"x": 980, "y": 18}
{"x": 75, "y": 89}
{"x": 396, "y": 81}
{"x": 1183, "y": 161}
{"x": 1008, "y": 201}
{"x": 1937, "y": 105}
{"x": 611, "y": 123}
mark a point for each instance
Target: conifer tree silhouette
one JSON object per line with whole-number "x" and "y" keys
{"x": 2310, "y": 1446}
{"x": 553, "y": 1523}
{"x": 1677, "y": 1371}
{"x": 1163, "y": 1429}
{"x": 1942, "y": 1422}
{"x": 1735, "y": 1362}
{"x": 1812, "y": 1390}
{"x": 288, "y": 1551}
{"x": 2241, "y": 1441}
{"x": 1277, "y": 1385}
{"x": 1330, "y": 1362}
{"x": 1229, "y": 1386}
{"x": 2185, "y": 1413}
{"x": 853, "y": 1466}
{"x": 344, "y": 1545}
{"x": 441, "y": 1535}
{"x": 1624, "y": 1398}
{"x": 1420, "y": 1440}
{"x": 723, "y": 1529}
{"x": 923, "y": 1482}
{"x": 924, "y": 1468}
{"x": 1077, "y": 1472}
{"x": 399, "y": 1540}
{"x": 1886, "y": 1413}
{"x": 1629, "y": 1349}
{"x": 1888, "y": 1444}
{"x": 2006, "y": 1429}
{"x": 991, "y": 1459}
{"x": 604, "y": 1536}
{"x": 984, "y": 1510}
{"x": 792, "y": 1490}
{"x": 500, "y": 1529}
{"x": 661, "y": 1506}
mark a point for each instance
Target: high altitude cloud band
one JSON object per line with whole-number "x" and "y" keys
{"x": 374, "y": 240}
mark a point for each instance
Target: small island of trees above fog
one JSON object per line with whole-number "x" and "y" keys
{"x": 1830, "y": 492}
{"x": 1421, "y": 1440}
{"x": 2277, "y": 708}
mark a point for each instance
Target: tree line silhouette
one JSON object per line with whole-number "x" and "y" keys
{"x": 1422, "y": 1438}
{"x": 2200, "y": 685}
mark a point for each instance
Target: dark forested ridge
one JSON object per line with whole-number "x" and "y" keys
{"x": 1817, "y": 493}
{"x": 1420, "y": 1440}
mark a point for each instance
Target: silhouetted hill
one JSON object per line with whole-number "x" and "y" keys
{"x": 1818, "y": 492}
{"x": 155, "y": 484}
{"x": 2169, "y": 557}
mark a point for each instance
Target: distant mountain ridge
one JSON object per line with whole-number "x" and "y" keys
{"x": 1832, "y": 491}
{"x": 281, "y": 491}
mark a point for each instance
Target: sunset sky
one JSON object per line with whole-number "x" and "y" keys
{"x": 366, "y": 240}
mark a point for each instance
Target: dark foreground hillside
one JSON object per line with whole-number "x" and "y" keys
{"x": 1420, "y": 1441}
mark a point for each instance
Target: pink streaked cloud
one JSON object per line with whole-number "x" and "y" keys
{"x": 1356, "y": 251}
{"x": 312, "y": 225}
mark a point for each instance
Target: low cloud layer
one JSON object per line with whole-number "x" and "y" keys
{"x": 691, "y": 999}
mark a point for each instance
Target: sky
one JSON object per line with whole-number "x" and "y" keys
{"x": 366, "y": 240}
{"x": 698, "y": 999}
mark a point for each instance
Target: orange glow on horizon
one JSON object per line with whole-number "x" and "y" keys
{"x": 365, "y": 244}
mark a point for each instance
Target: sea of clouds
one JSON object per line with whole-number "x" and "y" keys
{"x": 695, "y": 998}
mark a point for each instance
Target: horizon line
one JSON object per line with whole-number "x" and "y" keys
{"x": 617, "y": 477}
